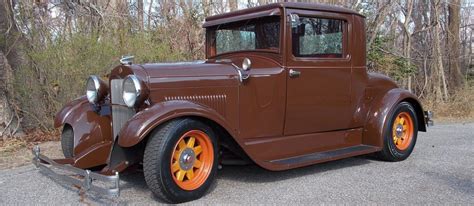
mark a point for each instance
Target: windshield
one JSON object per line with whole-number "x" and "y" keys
{"x": 254, "y": 34}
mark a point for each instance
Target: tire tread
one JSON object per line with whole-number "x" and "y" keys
{"x": 153, "y": 155}
{"x": 67, "y": 141}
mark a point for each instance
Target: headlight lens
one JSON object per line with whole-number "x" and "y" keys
{"x": 93, "y": 89}
{"x": 131, "y": 90}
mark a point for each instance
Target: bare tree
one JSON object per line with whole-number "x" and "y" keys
{"x": 383, "y": 9}
{"x": 11, "y": 58}
{"x": 441, "y": 90}
{"x": 407, "y": 37}
{"x": 233, "y": 5}
{"x": 140, "y": 14}
{"x": 454, "y": 23}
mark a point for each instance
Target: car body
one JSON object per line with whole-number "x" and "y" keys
{"x": 284, "y": 85}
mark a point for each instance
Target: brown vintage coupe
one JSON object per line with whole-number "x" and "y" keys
{"x": 284, "y": 85}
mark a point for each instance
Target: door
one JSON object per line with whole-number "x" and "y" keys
{"x": 319, "y": 73}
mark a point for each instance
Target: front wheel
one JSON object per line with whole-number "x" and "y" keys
{"x": 400, "y": 133}
{"x": 180, "y": 160}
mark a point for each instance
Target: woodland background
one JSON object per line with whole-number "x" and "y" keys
{"x": 48, "y": 48}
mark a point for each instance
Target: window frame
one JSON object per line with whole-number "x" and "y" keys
{"x": 311, "y": 50}
{"x": 211, "y": 50}
{"x": 346, "y": 29}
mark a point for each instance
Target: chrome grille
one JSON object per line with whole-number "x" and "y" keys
{"x": 120, "y": 114}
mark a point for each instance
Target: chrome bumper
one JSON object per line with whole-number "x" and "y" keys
{"x": 429, "y": 118}
{"x": 78, "y": 177}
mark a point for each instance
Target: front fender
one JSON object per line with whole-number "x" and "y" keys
{"x": 92, "y": 131}
{"x": 90, "y": 127}
{"x": 64, "y": 115}
{"x": 381, "y": 110}
{"x": 141, "y": 124}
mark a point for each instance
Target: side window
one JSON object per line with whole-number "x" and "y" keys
{"x": 235, "y": 40}
{"x": 318, "y": 37}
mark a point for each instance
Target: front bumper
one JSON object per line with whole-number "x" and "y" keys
{"x": 109, "y": 185}
{"x": 429, "y": 118}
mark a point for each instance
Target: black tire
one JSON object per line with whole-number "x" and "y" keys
{"x": 158, "y": 155}
{"x": 390, "y": 151}
{"x": 67, "y": 141}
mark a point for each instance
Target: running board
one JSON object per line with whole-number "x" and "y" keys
{"x": 319, "y": 157}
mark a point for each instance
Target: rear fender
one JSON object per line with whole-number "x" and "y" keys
{"x": 140, "y": 125}
{"x": 381, "y": 110}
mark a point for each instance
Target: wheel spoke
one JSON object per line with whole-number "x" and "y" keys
{"x": 175, "y": 167}
{"x": 191, "y": 142}
{"x": 402, "y": 120}
{"x": 399, "y": 141}
{"x": 197, "y": 163}
{"x": 176, "y": 155}
{"x": 190, "y": 174}
{"x": 197, "y": 150}
{"x": 180, "y": 175}
{"x": 181, "y": 144}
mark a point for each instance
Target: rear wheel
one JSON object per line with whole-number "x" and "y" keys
{"x": 400, "y": 133}
{"x": 180, "y": 160}
{"x": 67, "y": 141}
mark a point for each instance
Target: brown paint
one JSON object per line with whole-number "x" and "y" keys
{"x": 334, "y": 104}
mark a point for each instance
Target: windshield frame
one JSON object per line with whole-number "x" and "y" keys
{"x": 211, "y": 39}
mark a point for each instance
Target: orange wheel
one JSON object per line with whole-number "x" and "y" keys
{"x": 192, "y": 160}
{"x": 402, "y": 131}
{"x": 180, "y": 160}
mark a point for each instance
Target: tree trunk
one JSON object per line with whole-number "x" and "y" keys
{"x": 10, "y": 59}
{"x": 150, "y": 7}
{"x": 140, "y": 14}
{"x": 233, "y": 5}
{"x": 407, "y": 39}
{"x": 441, "y": 91}
{"x": 454, "y": 22}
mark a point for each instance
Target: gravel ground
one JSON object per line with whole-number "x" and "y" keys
{"x": 439, "y": 171}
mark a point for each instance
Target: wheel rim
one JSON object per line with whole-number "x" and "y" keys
{"x": 192, "y": 160}
{"x": 402, "y": 131}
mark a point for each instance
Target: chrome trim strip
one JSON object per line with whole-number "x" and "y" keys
{"x": 74, "y": 179}
{"x": 120, "y": 114}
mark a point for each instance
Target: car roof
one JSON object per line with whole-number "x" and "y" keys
{"x": 213, "y": 20}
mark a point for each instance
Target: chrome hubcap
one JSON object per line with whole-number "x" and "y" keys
{"x": 399, "y": 130}
{"x": 187, "y": 158}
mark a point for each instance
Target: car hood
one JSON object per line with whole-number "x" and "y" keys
{"x": 188, "y": 69}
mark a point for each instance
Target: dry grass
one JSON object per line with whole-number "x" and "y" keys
{"x": 32, "y": 137}
{"x": 459, "y": 108}
{"x": 15, "y": 152}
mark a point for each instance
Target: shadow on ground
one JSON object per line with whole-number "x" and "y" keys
{"x": 133, "y": 180}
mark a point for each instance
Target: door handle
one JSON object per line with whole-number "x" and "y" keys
{"x": 294, "y": 73}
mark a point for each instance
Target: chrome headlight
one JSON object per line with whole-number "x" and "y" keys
{"x": 132, "y": 91}
{"x": 96, "y": 89}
